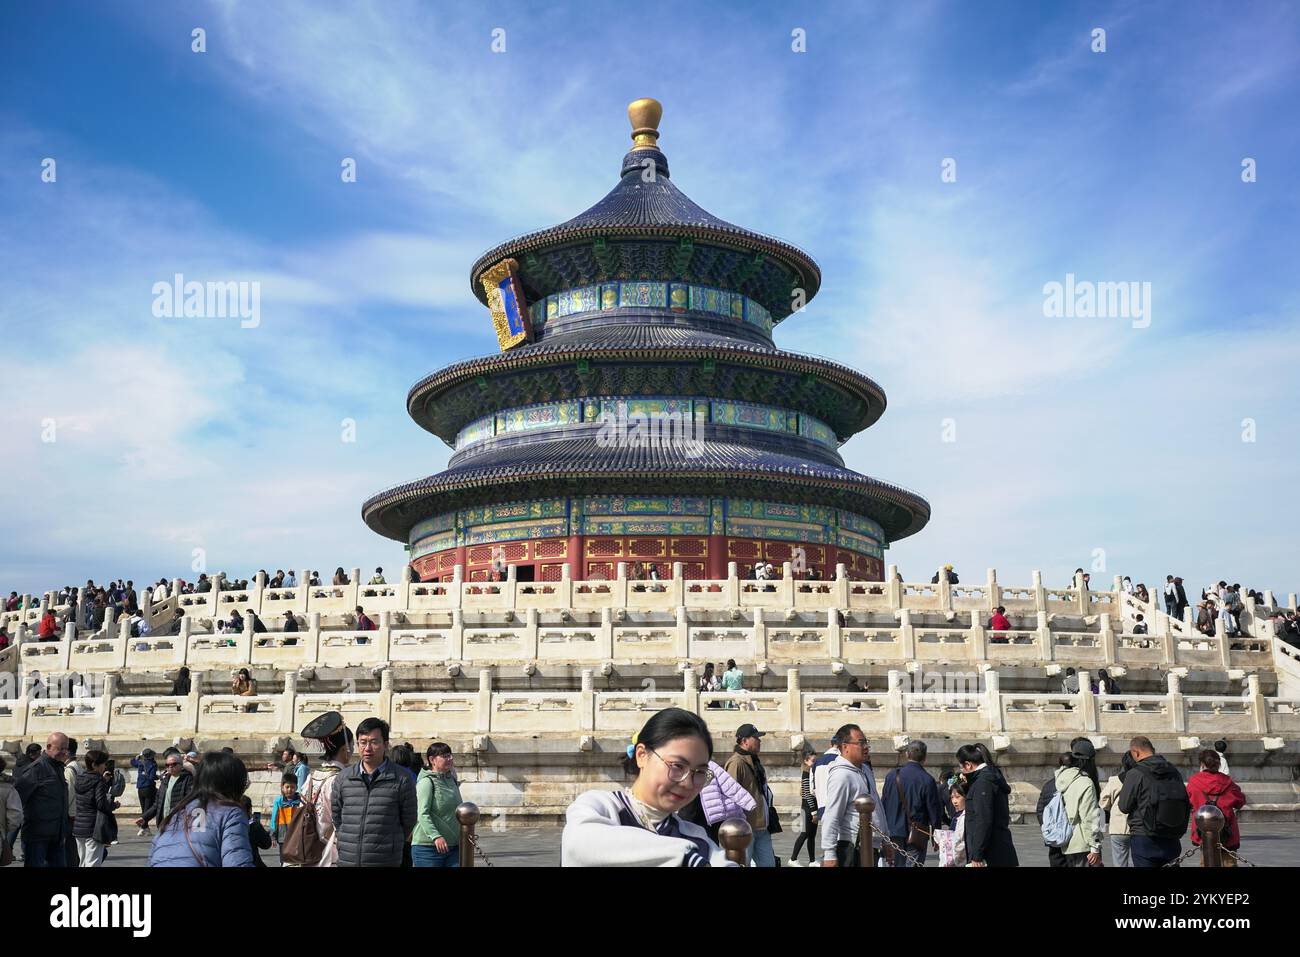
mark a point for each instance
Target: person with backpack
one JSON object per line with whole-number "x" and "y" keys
{"x": 311, "y": 840}
{"x": 1212, "y": 786}
{"x": 1156, "y": 802}
{"x": 1072, "y": 820}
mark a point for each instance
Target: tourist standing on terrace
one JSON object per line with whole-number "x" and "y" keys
{"x": 949, "y": 576}
{"x": 710, "y": 681}
{"x": 639, "y": 826}
{"x": 210, "y": 827}
{"x": 988, "y": 812}
{"x": 378, "y": 577}
{"x": 733, "y": 679}
{"x": 373, "y": 804}
{"x": 1211, "y": 785}
{"x": 1171, "y": 597}
{"x": 1156, "y": 802}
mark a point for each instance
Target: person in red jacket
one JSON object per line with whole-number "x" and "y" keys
{"x": 49, "y": 629}
{"x": 1211, "y": 786}
{"x": 999, "y": 623}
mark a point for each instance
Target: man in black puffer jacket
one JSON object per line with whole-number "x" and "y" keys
{"x": 373, "y": 803}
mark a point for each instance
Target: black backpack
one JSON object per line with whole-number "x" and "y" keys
{"x": 1170, "y": 810}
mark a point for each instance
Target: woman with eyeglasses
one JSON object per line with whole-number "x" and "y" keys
{"x": 639, "y": 826}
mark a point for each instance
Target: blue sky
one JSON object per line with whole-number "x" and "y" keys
{"x": 1071, "y": 434}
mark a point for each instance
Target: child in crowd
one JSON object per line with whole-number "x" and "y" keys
{"x": 284, "y": 809}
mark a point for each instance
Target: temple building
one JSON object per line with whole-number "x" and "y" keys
{"x": 639, "y": 410}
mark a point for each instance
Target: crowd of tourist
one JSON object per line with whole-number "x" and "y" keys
{"x": 372, "y": 804}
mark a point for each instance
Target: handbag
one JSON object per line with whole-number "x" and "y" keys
{"x": 105, "y": 832}
{"x": 916, "y": 837}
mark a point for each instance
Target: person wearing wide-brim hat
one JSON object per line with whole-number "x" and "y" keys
{"x": 336, "y": 738}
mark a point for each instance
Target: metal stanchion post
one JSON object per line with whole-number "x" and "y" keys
{"x": 467, "y": 815}
{"x": 865, "y": 808}
{"x": 1209, "y": 821}
{"x": 734, "y": 834}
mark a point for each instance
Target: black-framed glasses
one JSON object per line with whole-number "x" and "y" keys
{"x": 678, "y": 773}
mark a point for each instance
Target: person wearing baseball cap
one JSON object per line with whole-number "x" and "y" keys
{"x": 744, "y": 765}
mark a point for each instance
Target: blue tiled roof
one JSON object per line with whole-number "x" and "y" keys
{"x": 905, "y": 512}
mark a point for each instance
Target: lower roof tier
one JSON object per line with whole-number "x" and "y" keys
{"x": 589, "y": 467}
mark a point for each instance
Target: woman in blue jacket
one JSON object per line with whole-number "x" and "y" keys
{"x": 210, "y": 829}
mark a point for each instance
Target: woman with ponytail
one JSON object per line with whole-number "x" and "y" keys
{"x": 639, "y": 826}
{"x": 988, "y": 811}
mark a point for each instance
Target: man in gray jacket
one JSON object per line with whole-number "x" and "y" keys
{"x": 373, "y": 804}
{"x": 848, "y": 778}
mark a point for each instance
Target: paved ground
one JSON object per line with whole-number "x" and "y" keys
{"x": 1264, "y": 844}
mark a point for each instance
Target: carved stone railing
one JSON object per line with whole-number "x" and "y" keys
{"x": 910, "y": 703}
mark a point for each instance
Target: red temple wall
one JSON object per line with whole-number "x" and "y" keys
{"x": 597, "y": 556}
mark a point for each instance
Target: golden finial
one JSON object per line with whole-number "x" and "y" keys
{"x": 645, "y": 114}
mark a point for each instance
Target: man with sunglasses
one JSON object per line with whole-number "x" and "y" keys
{"x": 174, "y": 786}
{"x": 848, "y": 778}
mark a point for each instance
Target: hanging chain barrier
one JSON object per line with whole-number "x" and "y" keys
{"x": 1179, "y": 860}
{"x": 478, "y": 849}
{"x": 1236, "y": 857}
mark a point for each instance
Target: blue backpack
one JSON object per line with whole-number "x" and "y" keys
{"x": 1057, "y": 829}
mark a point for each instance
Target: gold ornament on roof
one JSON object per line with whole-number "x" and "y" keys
{"x": 645, "y": 115}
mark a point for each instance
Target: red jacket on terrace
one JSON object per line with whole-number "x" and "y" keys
{"x": 1214, "y": 787}
{"x": 49, "y": 627}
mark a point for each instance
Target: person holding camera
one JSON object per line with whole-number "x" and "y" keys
{"x": 94, "y": 826}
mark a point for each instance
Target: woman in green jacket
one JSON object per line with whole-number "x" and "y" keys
{"x": 436, "y": 838}
{"x": 1081, "y": 807}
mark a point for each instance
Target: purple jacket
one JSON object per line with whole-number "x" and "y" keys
{"x": 723, "y": 797}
